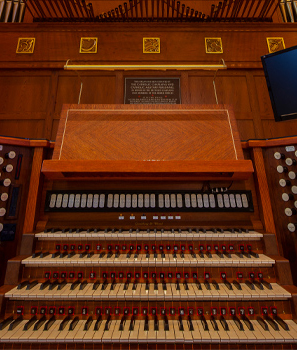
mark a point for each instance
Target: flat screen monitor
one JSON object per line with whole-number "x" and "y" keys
{"x": 281, "y": 76}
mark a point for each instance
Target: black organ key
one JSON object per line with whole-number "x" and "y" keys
{"x": 45, "y": 284}
{"x": 62, "y": 285}
{"x": 88, "y": 323}
{"x": 73, "y": 323}
{"x": 238, "y": 323}
{"x": 214, "y": 323}
{"x": 15, "y": 323}
{"x": 248, "y": 323}
{"x": 180, "y": 323}
{"x": 6, "y": 322}
{"x": 204, "y": 323}
{"x": 64, "y": 323}
{"x": 132, "y": 324}
{"x": 272, "y": 323}
{"x": 98, "y": 323}
{"x": 166, "y": 324}
{"x": 262, "y": 323}
{"x": 224, "y": 323}
{"x": 49, "y": 323}
{"x": 146, "y": 324}
{"x": 39, "y": 323}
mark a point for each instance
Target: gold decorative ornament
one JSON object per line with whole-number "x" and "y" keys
{"x": 151, "y": 45}
{"x": 275, "y": 44}
{"x": 213, "y": 45}
{"x": 88, "y": 45}
{"x": 25, "y": 45}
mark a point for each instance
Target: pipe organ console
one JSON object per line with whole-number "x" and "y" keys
{"x": 123, "y": 259}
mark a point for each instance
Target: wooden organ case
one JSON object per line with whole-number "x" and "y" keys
{"x": 149, "y": 228}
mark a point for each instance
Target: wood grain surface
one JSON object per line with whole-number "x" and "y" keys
{"x": 150, "y": 133}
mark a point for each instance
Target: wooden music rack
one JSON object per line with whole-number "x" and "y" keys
{"x": 191, "y": 142}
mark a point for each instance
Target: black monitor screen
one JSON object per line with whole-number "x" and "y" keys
{"x": 281, "y": 76}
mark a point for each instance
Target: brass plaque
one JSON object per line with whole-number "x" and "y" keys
{"x": 152, "y": 91}
{"x": 213, "y": 45}
{"x": 151, "y": 45}
{"x": 275, "y": 44}
{"x": 88, "y": 45}
{"x": 25, "y": 45}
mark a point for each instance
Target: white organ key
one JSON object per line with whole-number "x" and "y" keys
{"x": 261, "y": 334}
{"x": 62, "y": 336}
{"x": 52, "y": 334}
{"x": 125, "y": 333}
{"x": 102, "y": 200}
{"x": 232, "y": 201}
{"x": 212, "y": 201}
{"x": 97, "y": 335}
{"x": 220, "y": 201}
{"x": 198, "y": 328}
{"x": 226, "y": 201}
{"x": 83, "y": 201}
{"x": 77, "y": 201}
{"x": 170, "y": 336}
{"x": 109, "y": 200}
{"x": 199, "y": 200}
{"x": 53, "y": 200}
{"x": 122, "y": 201}
{"x": 116, "y": 199}
{"x": 140, "y": 200}
{"x": 80, "y": 332}
{"x": 245, "y": 336}
{"x": 65, "y": 201}
{"x": 245, "y": 202}
{"x": 152, "y": 200}
{"x": 142, "y": 335}
{"x": 161, "y": 201}
{"x": 179, "y": 335}
{"x": 116, "y": 335}
{"x": 234, "y": 338}
{"x": 238, "y": 200}
{"x": 134, "y": 200}
{"x": 167, "y": 201}
{"x": 193, "y": 200}
{"x": 90, "y": 201}
{"x": 59, "y": 201}
{"x": 205, "y": 200}
{"x": 96, "y": 201}
{"x": 13, "y": 334}
{"x": 187, "y": 333}
{"x": 187, "y": 200}
{"x": 108, "y": 333}
{"x": 179, "y": 198}
{"x": 151, "y": 334}
{"x": 161, "y": 334}
{"x": 128, "y": 200}
{"x": 173, "y": 200}
{"x": 222, "y": 333}
{"x": 35, "y": 334}
{"x": 292, "y": 325}
{"x": 133, "y": 335}
{"x": 146, "y": 200}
